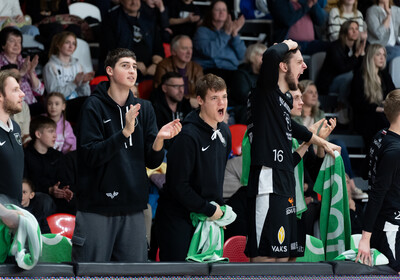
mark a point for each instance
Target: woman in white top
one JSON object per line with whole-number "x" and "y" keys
{"x": 383, "y": 21}
{"x": 345, "y": 10}
{"x": 63, "y": 73}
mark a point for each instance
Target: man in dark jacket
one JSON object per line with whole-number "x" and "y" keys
{"x": 117, "y": 139}
{"x": 168, "y": 101}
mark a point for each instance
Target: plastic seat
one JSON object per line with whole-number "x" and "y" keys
{"x": 237, "y": 131}
{"x": 83, "y": 10}
{"x": 61, "y": 223}
{"x": 97, "y": 80}
{"x": 82, "y": 53}
{"x": 317, "y": 60}
{"x": 394, "y": 70}
{"x": 145, "y": 88}
{"x": 167, "y": 49}
{"x": 234, "y": 249}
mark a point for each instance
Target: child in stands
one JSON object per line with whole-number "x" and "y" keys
{"x": 56, "y": 105}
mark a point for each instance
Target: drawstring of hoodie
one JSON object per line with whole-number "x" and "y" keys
{"x": 122, "y": 125}
{"x": 219, "y": 134}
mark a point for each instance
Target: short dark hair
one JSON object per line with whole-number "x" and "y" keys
{"x": 286, "y": 58}
{"x": 4, "y": 74}
{"x": 38, "y": 123}
{"x": 5, "y": 32}
{"x": 29, "y": 183}
{"x": 209, "y": 82}
{"x": 391, "y": 105}
{"x": 114, "y": 55}
{"x": 169, "y": 75}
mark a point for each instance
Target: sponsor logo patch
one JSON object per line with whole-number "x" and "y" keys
{"x": 281, "y": 235}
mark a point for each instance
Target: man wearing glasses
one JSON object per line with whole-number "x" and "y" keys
{"x": 168, "y": 101}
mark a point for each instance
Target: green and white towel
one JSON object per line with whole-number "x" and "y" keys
{"x": 56, "y": 248}
{"x": 27, "y": 243}
{"x": 208, "y": 239}
{"x": 314, "y": 251}
{"x": 246, "y": 160}
{"x": 299, "y": 178}
{"x": 377, "y": 257}
{"x": 335, "y": 226}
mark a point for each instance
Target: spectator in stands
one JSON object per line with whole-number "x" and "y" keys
{"x": 56, "y": 105}
{"x": 11, "y": 152}
{"x": 254, "y": 9}
{"x": 181, "y": 61}
{"x": 39, "y": 9}
{"x": 343, "y": 56}
{"x": 295, "y": 19}
{"x": 117, "y": 139}
{"x": 369, "y": 88}
{"x": 311, "y": 113}
{"x": 184, "y": 17}
{"x": 157, "y": 15}
{"x": 11, "y": 15}
{"x": 23, "y": 118}
{"x": 46, "y": 167}
{"x": 11, "y": 44}
{"x": 383, "y": 21}
{"x": 243, "y": 80}
{"x": 30, "y": 204}
{"x": 123, "y": 27}
{"x": 168, "y": 101}
{"x": 217, "y": 44}
{"x": 63, "y": 73}
{"x": 345, "y": 10}
{"x": 196, "y": 165}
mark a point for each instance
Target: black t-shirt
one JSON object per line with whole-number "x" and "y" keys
{"x": 142, "y": 51}
{"x": 178, "y": 9}
{"x": 270, "y": 127}
{"x": 384, "y": 197}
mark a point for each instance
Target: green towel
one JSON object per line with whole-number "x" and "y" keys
{"x": 56, "y": 248}
{"x": 335, "y": 226}
{"x": 208, "y": 239}
{"x": 5, "y": 241}
{"x": 377, "y": 257}
{"x": 28, "y": 231}
{"x": 246, "y": 160}
{"x": 299, "y": 178}
{"x": 314, "y": 251}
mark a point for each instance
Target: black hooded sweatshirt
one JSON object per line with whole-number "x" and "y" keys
{"x": 196, "y": 166}
{"x": 112, "y": 168}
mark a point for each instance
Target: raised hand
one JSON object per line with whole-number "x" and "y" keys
{"x": 170, "y": 130}
{"x": 237, "y": 25}
{"x": 228, "y": 26}
{"x": 33, "y": 64}
{"x": 130, "y": 119}
{"x": 79, "y": 78}
{"x": 327, "y": 128}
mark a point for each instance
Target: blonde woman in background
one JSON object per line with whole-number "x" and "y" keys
{"x": 310, "y": 114}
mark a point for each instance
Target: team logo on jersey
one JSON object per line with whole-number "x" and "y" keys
{"x": 291, "y": 209}
{"x": 281, "y": 235}
{"x": 18, "y": 138}
{"x": 112, "y": 195}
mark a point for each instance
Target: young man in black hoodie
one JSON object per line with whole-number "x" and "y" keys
{"x": 196, "y": 166}
{"x": 117, "y": 139}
